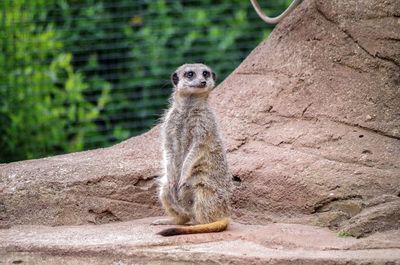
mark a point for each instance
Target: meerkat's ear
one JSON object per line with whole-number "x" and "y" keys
{"x": 174, "y": 78}
{"x": 214, "y": 76}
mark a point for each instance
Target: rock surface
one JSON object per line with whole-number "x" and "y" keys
{"x": 311, "y": 123}
{"x": 98, "y": 186}
{"x": 135, "y": 242}
{"x": 312, "y": 119}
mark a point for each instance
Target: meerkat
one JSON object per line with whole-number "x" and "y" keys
{"x": 196, "y": 185}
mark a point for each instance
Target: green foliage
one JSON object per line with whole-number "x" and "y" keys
{"x": 79, "y": 74}
{"x": 344, "y": 233}
{"x": 134, "y": 46}
{"x": 42, "y": 99}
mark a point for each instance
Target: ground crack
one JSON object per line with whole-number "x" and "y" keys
{"x": 355, "y": 41}
{"x": 362, "y": 127}
{"x": 326, "y": 201}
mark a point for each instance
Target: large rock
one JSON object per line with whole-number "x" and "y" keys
{"x": 311, "y": 117}
{"x": 98, "y": 186}
{"x": 311, "y": 123}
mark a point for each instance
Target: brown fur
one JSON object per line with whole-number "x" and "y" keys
{"x": 196, "y": 184}
{"x": 217, "y": 226}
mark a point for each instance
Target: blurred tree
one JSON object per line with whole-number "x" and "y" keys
{"x": 42, "y": 107}
{"x": 123, "y": 52}
{"x": 135, "y": 45}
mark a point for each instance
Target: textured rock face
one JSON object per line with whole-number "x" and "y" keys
{"x": 311, "y": 122}
{"x": 99, "y": 186}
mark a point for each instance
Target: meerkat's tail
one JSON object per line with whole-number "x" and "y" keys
{"x": 217, "y": 226}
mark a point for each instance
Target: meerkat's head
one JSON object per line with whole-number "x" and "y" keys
{"x": 191, "y": 79}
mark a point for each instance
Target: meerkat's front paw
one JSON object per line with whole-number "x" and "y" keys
{"x": 183, "y": 186}
{"x": 163, "y": 222}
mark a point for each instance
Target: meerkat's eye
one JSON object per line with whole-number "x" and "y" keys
{"x": 189, "y": 74}
{"x": 206, "y": 74}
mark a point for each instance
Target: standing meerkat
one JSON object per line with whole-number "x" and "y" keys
{"x": 196, "y": 184}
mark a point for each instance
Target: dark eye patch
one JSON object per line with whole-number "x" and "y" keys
{"x": 189, "y": 74}
{"x": 206, "y": 74}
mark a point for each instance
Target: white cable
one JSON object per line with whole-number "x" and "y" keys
{"x": 273, "y": 20}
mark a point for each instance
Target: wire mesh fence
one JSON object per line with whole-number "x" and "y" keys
{"x": 82, "y": 74}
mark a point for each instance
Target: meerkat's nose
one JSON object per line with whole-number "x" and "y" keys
{"x": 203, "y": 83}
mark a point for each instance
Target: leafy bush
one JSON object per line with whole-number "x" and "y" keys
{"x": 43, "y": 110}
{"x": 135, "y": 45}
{"x": 79, "y": 74}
